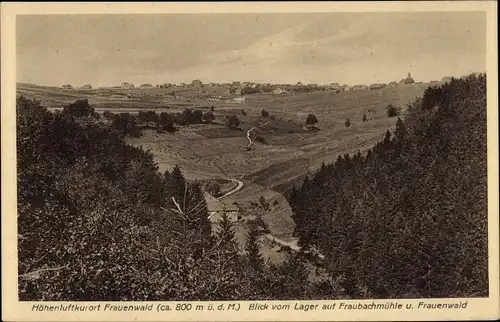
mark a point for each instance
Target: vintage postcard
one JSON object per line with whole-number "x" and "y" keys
{"x": 326, "y": 161}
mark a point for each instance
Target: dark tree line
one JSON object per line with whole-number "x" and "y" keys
{"x": 409, "y": 218}
{"x": 129, "y": 124}
{"x": 96, "y": 221}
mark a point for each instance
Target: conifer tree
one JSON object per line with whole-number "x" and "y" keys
{"x": 387, "y": 138}
{"x": 225, "y": 234}
{"x": 175, "y": 186}
{"x": 400, "y": 129}
{"x": 252, "y": 248}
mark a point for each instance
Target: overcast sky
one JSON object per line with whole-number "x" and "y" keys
{"x": 350, "y": 48}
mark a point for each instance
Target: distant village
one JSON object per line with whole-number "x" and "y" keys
{"x": 242, "y": 88}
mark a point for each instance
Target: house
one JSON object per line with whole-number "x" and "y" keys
{"x": 235, "y": 90}
{"x": 239, "y": 100}
{"x": 393, "y": 84}
{"x": 86, "y": 86}
{"x": 166, "y": 85}
{"x": 126, "y": 85}
{"x": 408, "y": 80}
{"x": 279, "y": 91}
{"x": 147, "y": 86}
{"x": 182, "y": 85}
{"x": 334, "y": 86}
{"x": 345, "y": 88}
{"x": 377, "y": 86}
{"x": 359, "y": 88}
{"x": 216, "y": 208}
{"x": 236, "y": 84}
{"x": 67, "y": 86}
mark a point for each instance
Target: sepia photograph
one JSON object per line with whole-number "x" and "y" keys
{"x": 252, "y": 156}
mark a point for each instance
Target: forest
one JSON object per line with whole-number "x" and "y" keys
{"x": 97, "y": 221}
{"x": 409, "y": 218}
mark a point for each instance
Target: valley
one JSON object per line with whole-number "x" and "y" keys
{"x": 286, "y": 153}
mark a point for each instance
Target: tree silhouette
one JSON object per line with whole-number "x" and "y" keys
{"x": 252, "y": 248}
{"x": 232, "y": 121}
{"x": 311, "y": 120}
{"x": 208, "y": 117}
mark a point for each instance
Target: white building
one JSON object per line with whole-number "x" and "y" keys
{"x": 335, "y": 86}
{"x": 239, "y": 100}
{"x": 216, "y": 208}
{"x": 279, "y": 91}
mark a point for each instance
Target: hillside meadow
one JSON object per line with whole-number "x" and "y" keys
{"x": 289, "y": 152}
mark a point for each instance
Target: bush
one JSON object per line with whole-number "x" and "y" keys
{"x": 213, "y": 188}
{"x": 197, "y": 117}
{"x": 260, "y": 139}
{"x": 311, "y": 120}
{"x": 249, "y": 90}
{"x": 264, "y": 113}
{"x": 80, "y": 108}
{"x": 347, "y": 123}
{"x": 232, "y": 121}
{"x": 393, "y": 111}
{"x": 208, "y": 117}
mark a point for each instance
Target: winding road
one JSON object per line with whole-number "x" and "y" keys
{"x": 239, "y": 185}
{"x": 248, "y": 134}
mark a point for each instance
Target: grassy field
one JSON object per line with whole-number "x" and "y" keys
{"x": 211, "y": 151}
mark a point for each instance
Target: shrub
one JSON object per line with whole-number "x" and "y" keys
{"x": 208, "y": 117}
{"x": 393, "y": 111}
{"x": 80, "y": 108}
{"x": 232, "y": 121}
{"x": 213, "y": 188}
{"x": 197, "y": 117}
{"x": 260, "y": 139}
{"x": 311, "y": 120}
{"x": 264, "y": 113}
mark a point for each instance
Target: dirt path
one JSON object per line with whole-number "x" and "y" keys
{"x": 239, "y": 185}
{"x": 248, "y": 134}
{"x": 293, "y": 244}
